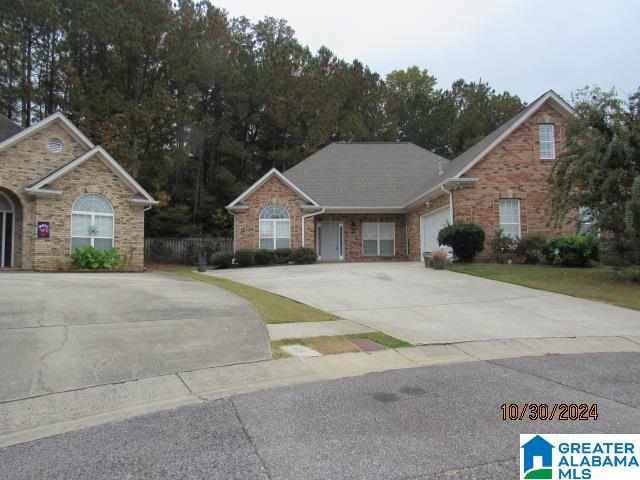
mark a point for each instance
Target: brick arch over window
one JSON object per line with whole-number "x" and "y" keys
{"x": 275, "y": 227}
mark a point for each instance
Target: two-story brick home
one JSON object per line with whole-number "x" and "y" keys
{"x": 386, "y": 201}
{"x": 59, "y": 191}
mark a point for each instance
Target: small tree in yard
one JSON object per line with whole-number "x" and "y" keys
{"x": 465, "y": 239}
{"x": 600, "y": 165}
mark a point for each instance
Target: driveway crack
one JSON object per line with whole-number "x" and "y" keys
{"x": 250, "y": 439}
{"x": 45, "y": 357}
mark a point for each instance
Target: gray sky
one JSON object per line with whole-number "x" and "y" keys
{"x": 525, "y": 47}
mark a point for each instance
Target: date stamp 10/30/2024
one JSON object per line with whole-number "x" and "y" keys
{"x": 550, "y": 411}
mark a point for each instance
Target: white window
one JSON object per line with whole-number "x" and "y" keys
{"x": 379, "y": 239}
{"x": 275, "y": 228}
{"x": 92, "y": 222}
{"x": 510, "y": 217}
{"x": 587, "y": 223}
{"x": 547, "y": 141}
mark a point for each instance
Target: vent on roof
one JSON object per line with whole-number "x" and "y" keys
{"x": 54, "y": 145}
{"x": 439, "y": 167}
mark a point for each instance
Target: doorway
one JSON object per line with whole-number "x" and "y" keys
{"x": 330, "y": 241}
{"x": 7, "y": 231}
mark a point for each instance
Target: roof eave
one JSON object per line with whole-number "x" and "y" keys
{"x": 437, "y": 190}
{"x": 39, "y": 192}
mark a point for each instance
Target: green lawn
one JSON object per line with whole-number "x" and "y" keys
{"x": 271, "y": 307}
{"x": 336, "y": 344}
{"x": 598, "y": 283}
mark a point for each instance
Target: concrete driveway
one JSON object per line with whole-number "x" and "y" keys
{"x": 424, "y": 306}
{"x": 67, "y": 331}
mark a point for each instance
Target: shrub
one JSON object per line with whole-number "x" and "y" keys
{"x": 501, "y": 245}
{"x": 94, "y": 259}
{"x": 303, "y": 255}
{"x": 465, "y": 239}
{"x": 221, "y": 259}
{"x": 244, "y": 257}
{"x": 438, "y": 259}
{"x": 263, "y": 256}
{"x": 531, "y": 248}
{"x": 573, "y": 250}
{"x": 281, "y": 255}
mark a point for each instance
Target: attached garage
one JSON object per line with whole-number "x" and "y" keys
{"x": 430, "y": 224}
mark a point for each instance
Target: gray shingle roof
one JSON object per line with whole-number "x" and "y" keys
{"x": 388, "y": 174}
{"x": 375, "y": 174}
{"x": 8, "y": 128}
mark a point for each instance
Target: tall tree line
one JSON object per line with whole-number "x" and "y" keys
{"x": 197, "y": 105}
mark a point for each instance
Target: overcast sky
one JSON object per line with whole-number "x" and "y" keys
{"x": 525, "y": 47}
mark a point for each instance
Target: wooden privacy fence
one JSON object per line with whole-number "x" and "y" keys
{"x": 183, "y": 250}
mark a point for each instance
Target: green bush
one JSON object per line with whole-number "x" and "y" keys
{"x": 244, "y": 257}
{"x": 222, "y": 259}
{"x": 573, "y": 250}
{"x": 531, "y": 248}
{"x": 501, "y": 245}
{"x": 263, "y": 256}
{"x": 281, "y": 255}
{"x": 465, "y": 239}
{"x": 303, "y": 256}
{"x": 94, "y": 259}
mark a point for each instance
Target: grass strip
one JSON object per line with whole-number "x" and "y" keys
{"x": 597, "y": 283}
{"x": 271, "y": 307}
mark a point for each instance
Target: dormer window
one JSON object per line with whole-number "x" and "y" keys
{"x": 547, "y": 141}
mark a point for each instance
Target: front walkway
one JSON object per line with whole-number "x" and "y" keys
{"x": 424, "y": 306}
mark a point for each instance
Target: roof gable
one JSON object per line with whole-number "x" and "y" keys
{"x": 262, "y": 180}
{"x": 56, "y": 117}
{"x": 459, "y": 166}
{"x": 41, "y": 186}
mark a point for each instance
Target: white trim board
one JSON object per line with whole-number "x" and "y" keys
{"x": 109, "y": 161}
{"x": 27, "y": 132}
{"x": 263, "y": 180}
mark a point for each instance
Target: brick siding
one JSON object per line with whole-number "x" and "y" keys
{"x": 28, "y": 161}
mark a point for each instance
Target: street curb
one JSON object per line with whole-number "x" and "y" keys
{"x": 40, "y": 417}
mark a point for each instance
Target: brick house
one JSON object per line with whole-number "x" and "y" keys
{"x": 388, "y": 201}
{"x": 59, "y": 191}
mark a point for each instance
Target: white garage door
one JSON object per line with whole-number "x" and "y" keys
{"x": 430, "y": 225}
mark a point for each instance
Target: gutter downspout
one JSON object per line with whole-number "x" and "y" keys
{"x": 450, "y": 202}
{"x": 304, "y": 217}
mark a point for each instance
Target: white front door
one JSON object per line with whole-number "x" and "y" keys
{"x": 330, "y": 240}
{"x": 430, "y": 225}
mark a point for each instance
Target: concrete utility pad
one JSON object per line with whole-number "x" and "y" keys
{"x": 421, "y": 305}
{"x": 67, "y": 331}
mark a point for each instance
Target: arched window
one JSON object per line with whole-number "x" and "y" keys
{"x": 92, "y": 222}
{"x": 275, "y": 228}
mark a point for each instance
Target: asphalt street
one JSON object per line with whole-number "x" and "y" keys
{"x": 438, "y": 422}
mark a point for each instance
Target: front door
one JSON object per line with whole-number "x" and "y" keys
{"x": 6, "y": 239}
{"x": 329, "y": 241}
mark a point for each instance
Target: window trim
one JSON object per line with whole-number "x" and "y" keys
{"x": 93, "y": 216}
{"x": 274, "y": 222}
{"x": 3, "y": 238}
{"x": 378, "y": 254}
{"x": 552, "y": 142}
{"x": 517, "y": 200}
